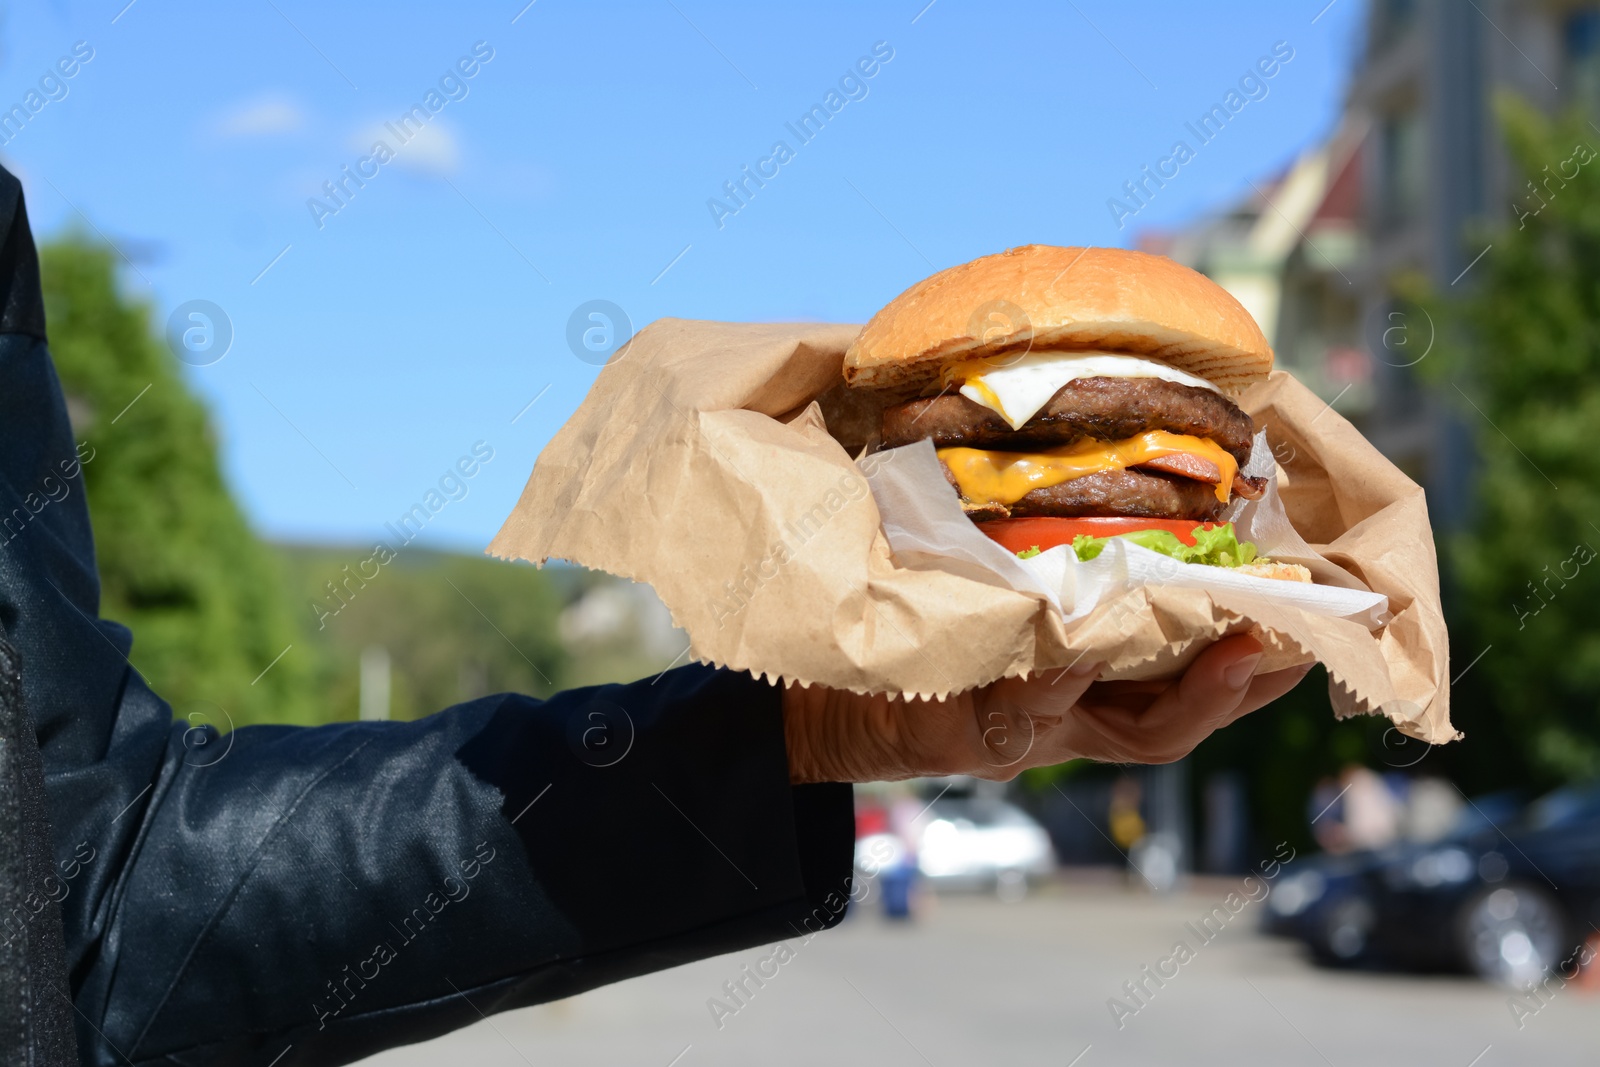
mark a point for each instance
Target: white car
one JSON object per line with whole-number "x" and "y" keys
{"x": 982, "y": 843}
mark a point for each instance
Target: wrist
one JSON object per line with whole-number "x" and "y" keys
{"x": 799, "y": 709}
{"x": 833, "y": 735}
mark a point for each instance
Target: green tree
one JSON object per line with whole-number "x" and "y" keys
{"x": 455, "y": 627}
{"x": 178, "y": 563}
{"x": 1520, "y": 355}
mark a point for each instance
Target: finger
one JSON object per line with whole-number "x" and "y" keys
{"x": 1211, "y": 690}
{"x": 1021, "y": 721}
{"x": 1152, "y": 687}
{"x": 1214, "y": 685}
{"x": 1116, "y": 724}
{"x": 1159, "y": 722}
{"x": 1051, "y": 693}
{"x": 1265, "y": 688}
{"x": 1018, "y": 719}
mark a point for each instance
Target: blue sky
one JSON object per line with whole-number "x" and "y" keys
{"x": 575, "y": 165}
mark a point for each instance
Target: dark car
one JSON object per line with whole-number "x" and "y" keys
{"x": 1507, "y": 895}
{"x": 1322, "y": 899}
{"x": 1319, "y": 901}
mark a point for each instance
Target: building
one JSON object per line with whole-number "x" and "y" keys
{"x": 1290, "y": 251}
{"x": 1408, "y": 186}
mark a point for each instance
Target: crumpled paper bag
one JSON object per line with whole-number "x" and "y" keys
{"x": 702, "y": 462}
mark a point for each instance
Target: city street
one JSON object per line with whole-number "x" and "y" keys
{"x": 980, "y": 982}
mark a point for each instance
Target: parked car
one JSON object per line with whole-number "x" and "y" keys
{"x": 978, "y": 842}
{"x": 1507, "y": 896}
{"x": 1322, "y": 901}
{"x": 1318, "y": 901}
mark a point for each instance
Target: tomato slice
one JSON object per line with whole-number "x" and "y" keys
{"x": 1019, "y": 535}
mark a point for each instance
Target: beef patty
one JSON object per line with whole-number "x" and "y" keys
{"x": 1107, "y": 409}
{"x": 1138, "y": 493}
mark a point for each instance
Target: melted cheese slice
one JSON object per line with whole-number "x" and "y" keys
{"x": 1015, "y": 388}
{"x": 992, "y": 477}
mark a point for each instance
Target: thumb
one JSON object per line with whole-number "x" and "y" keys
{"x": 1214, "y": 685}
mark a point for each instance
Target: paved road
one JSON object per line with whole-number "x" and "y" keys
{"x": 982, "y": 983}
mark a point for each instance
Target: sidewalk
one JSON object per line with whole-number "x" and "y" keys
{"x": 983, "y": 983}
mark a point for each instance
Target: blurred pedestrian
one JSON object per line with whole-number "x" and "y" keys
{"x": 1363, "y": 814}
{"x": 1432, "y": 809}
{"x": 1126, "y": 822}
{"x": 899, "y": 877}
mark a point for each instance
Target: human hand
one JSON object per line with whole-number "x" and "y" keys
{"x": 1002, "y": 729}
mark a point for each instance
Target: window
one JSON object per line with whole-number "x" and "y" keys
{"x": 1391, "y": 20}
{"x": 1581, "y": 54}
{"x": 1404, "y": 169}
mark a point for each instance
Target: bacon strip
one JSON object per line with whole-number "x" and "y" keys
{"x": 1186, "y": 465}
{"x": 1249, "y": 488}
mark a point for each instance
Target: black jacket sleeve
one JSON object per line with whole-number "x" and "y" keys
{"x": 337, "y": 890}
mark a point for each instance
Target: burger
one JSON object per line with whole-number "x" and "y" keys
{"x": 1073, "y": 395}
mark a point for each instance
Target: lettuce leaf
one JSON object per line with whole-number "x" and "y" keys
{"x": 1216, "y": 547}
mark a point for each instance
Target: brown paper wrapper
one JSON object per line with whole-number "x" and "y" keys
{"x": 701, "y": 462}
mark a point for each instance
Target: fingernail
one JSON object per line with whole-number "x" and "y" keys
{"x": 1238, "y": 674}
{"x": 1078, "y": 670}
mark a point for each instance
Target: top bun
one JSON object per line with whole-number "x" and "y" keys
{"x": 1042, "y": 297}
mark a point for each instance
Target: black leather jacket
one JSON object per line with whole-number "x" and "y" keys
{"x": 317, "y": 894}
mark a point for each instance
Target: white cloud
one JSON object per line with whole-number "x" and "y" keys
{"x": 262, "y": 117}
{"x": 433, "y": 150}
